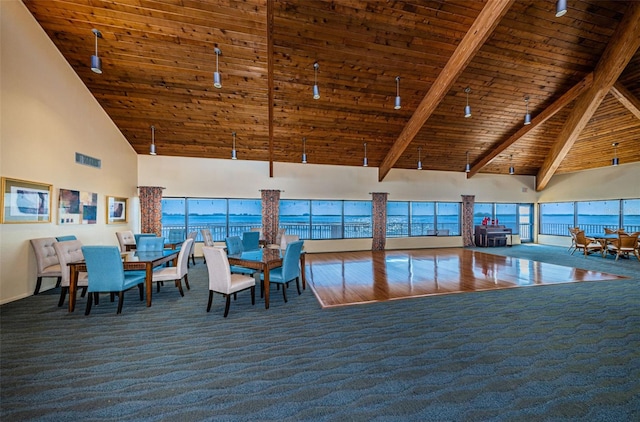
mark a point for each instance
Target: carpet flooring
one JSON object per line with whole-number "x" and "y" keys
{"x": 548, "y": 353}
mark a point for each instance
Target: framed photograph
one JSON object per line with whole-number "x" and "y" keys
{"x": 116, "y": 210}
{"x": 75, "y": 207}
{"x": 25, "y": 202}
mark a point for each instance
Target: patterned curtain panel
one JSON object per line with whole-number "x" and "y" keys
{"x": 379, "y": 221}
{"x": 151, "y": 209}
{"x": 467, "y": 219}
{"x": 270, "y": 214}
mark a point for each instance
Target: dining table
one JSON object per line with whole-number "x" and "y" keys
{"x": 131, "y": 261}
{"x": 264, "y": 260}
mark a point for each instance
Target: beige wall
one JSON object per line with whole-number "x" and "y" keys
{"x": 47, "y": 116}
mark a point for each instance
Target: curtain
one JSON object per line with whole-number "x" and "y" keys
{"x": 151, "y": 209}
{"x": 270, "y": 214}
{"x": 379, "y": 221}
{"x": 467, "y": 219}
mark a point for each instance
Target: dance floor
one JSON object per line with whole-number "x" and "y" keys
{"x": 348, "y": 278}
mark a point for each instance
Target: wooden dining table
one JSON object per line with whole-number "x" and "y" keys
{"x": 264, "y": 260}
{"x": 132, "y": 260}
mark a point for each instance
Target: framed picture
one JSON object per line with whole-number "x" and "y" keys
{"x": 25, "y": 202}
{"x": 116, "y": 210}
{"x": 76, "y": 207}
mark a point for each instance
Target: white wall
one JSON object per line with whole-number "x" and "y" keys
{"x": 47, "y": 116}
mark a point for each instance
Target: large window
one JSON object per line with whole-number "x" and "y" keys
{"x": 556, "y": 218}
{"x": 631, "y": 215}
{"x": 244, "y": 214}
{"x": 397, "y": 219}
{"x": 423, "y": 219}
{"x": 357, "y": 219}
{"x": 295, "y": 217}
{"x": 593, "y": 216}
{"x": 590, "y": 216}
{"x": 326, "y": 219}
{"x": 205, "y": 213}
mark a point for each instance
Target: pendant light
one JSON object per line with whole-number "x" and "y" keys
{"x": 216, "y": 75}
{"x": 96, "y": 63}
{"x": 511, "y": 169}
{"x": 152, "y": 150}
{"x": 561, "y": 8}
{"x": 419, "y": 158}
{"x": 366, "y": 161}
{"x": 304, "y": 150}
{"x": 233, "y": 149}
{"x": 397, "y": 106}
{"x": 614, "y": 160}
{"x": 467, "y": 168}
{"x": 527, "y": 116}
{"x": 467, "y": 109}
{"x": 316, "y": 90}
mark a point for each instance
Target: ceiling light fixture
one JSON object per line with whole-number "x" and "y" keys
{"x": 316, "y": 90}
{"x": 152, "y": 150}
{"x": 511, "y": 169}
{"x": 304, "y": 150}
{"x": 397, "y": 106}
{"x": 467, "y": 109}
{"x": 216, "y": 75}
{"x": 527, "y": 116}
{"x": 419, "y": 158}
{"x": 467, "y": 168}
{"x": 366, "y": 161}
{"x": 561, "y": 8}
{"x": 96, "y": 63}
{"x": 614, "y": 160}
{"x": 233, "y": 149}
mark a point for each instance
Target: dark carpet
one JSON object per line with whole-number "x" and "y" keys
{"x": 557, "y": 352}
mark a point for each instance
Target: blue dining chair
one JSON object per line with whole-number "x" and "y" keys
{"x": 290, "y": 269}
{"x": 250, "y": 241}
{"x": 106, "y": 274}
{"x": 138, "y": 236}
{"x": 149, "y": 244}
{"x": 234, "y": 247}
{"x": 66, "y": 238}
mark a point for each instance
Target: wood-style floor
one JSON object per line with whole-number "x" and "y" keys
{"x": 348, "y": 278}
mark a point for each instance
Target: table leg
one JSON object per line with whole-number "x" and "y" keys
{"x": 266, "y": 271}
{"x": 73, "y": 283}
{"x": 303, "y": 271}
{"x": 148, "y": 281}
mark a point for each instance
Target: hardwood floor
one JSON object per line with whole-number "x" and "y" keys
{"x": 348, "y": 278}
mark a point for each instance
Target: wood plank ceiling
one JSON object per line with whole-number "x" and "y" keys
{"x": 158, "y": 61}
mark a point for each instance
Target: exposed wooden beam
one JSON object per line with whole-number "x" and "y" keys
{"x": 473, "y": 40}
{"x": 545, "y": 115}
{"x": 621, "y": 48}
{"x": 270, "y": 80}
{"x": 626, "y": 98}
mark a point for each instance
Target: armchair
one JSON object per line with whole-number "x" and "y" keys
{"x": 47, "y": 261}
{"x": 290, "y": 269}
{"x": 106, "y": 274}
{"x": 586, "y": 244}
{"x": 69, "y": 251}
{"x": 222, "y": 281}
{"x": 626, "y": 244}
{"x": 178, "y": 272}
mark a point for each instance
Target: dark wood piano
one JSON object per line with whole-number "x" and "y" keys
{"x": 492, "y": 235}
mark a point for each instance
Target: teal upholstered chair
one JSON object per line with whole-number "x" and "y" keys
{"x": 149, "y": 244}
{"x": 137, "y": 237}
{"x": 234, "y": 247}
{"x": 290, "y": 269}
{"x": 222, "y": 281}
{"x": 250, "y": 241}
{"x": 176, "y": 235}
{"x": 106, "y": 274}
{"x": 178, "y": 272}
{"x": 66, "y": 238}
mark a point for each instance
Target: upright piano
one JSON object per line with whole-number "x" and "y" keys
{"x": 496, "y": 235}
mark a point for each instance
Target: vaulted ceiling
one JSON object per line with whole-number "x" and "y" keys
{"x": 580, "y": 71}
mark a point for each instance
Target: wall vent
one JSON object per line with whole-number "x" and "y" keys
{"x": 88, "y": 161}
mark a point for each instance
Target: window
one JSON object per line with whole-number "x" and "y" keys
{"x": 205, "y": 213}
{"x": 295, "y": 217}
{"x": 326, "y": 219}
{"x": 397, "y": 219}
{"x": 357, "y": 219}
{"x": 173, "y": 215}
{"x": 556, "y": 218}
{"x": 482, "y": 211}
{"x": 507, "y": 215}
{"x": 594, "y": 216}
{"x": 448, "y": 218}
{"x": 631, "y": 215}
{"x": 244, "y": 214}
{"x": 423, "y": 218}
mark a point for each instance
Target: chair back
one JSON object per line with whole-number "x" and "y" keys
{"x": 288, "y": 238}
{"x": 183, "y": 258}
{"x": 45, "y": 253}
{"x": 125, "y": 238}
{"x": 138, "y": 236}
{"x": 104, "y": 268}
{"x": 192, "y": 236}
{"x": 218, "y": 268}
{"x": 68, "y": 251}
{"x": 176, "y": 235}
{"x": 250, "y": 241}
{"x": 207, "y": 237}
{"x": 65, "y": 238}
{"x": 259, "y": 231}
{"x": 627, "y": 242}
{"x": 581, "y": 239}
{"x": 150, "y": 243}
{"x": 291, "y": 260}
{"x": 234, "y": 245}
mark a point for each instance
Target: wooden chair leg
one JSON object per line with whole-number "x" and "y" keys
{"x": 87, "y": 310}
{"x": 84, "y": 291}
{"x": 38, "y": 285}
{"x": 226, "y": 307}
{"x": 141, "y": 289}
{"x": 253, "y": 295}
{"x": 120, "y": 302}
{"x": 186, "y": 281}
{"x": 179, "y": 286}
{"x": 298, "y": 285}
{"x": 210, "y": 300}
{"x": 58, "y": 281}
{"x": 63, "y": 294}
{"x": 284, "y": 292}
